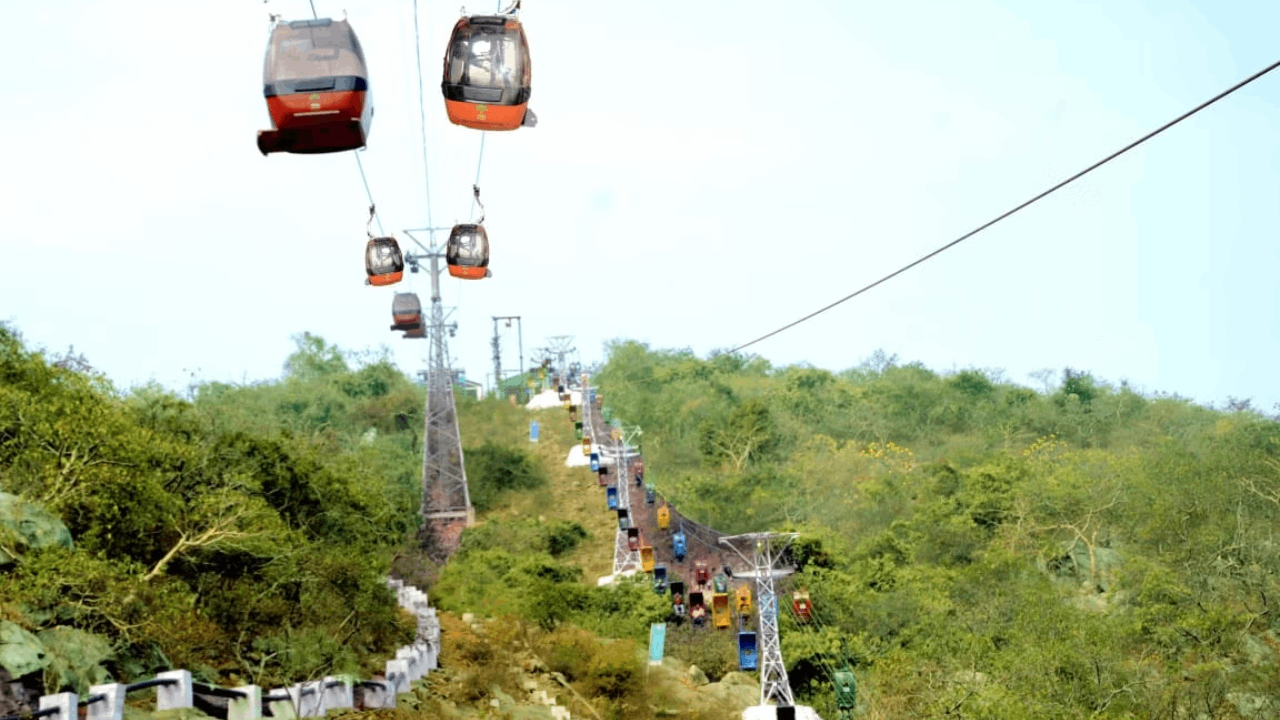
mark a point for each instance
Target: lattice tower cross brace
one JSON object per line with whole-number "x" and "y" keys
{"x": 767, "y": 550}
{"x": 624, "y": 558}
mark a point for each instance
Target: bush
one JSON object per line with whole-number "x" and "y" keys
{"x": 715, "y": 653}
{"x": 493, "y": 469}
{"x": 569, "y": 651}
{"x": 614, "y": 672}
{"x": 563, "y": 536}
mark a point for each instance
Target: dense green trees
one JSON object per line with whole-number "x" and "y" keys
{"x": 243, "y": 534}
{"x": 979, "y": 548}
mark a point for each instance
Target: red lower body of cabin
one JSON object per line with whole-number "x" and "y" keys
{"x": 468, "y": 273}
{"x": 403, "y": 321}
{"x": 486, "y": 117}
{"x": 386, "y": 279}
{"x": 316, "y": 123}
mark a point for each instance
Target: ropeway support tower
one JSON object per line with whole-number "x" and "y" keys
{"x": 559, "y": 348}
{"x": 446, "y": 503}
{"x": 762, "y": 552}
{"x": 624, "y": 558}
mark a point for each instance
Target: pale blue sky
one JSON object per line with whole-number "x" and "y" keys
{"x": 702, "y": 173}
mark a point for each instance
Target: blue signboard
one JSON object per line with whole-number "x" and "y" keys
{"x": 657, "y": 642}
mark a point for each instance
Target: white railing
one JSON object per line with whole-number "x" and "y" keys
{"x": 310, "y": 699}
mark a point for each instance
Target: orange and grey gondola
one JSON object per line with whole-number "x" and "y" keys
{"x": 383, "y": 261}
{"x": 406, "y": 312}
{"x": 317, "y": 89}
{"x": 487, "y": 73}
{"x": 467, "y": 254}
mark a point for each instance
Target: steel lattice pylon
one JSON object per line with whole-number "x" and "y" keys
{"x": 624, "y": 558}
{"x": 766, "y": 550}
{"x": 446, "y": 502}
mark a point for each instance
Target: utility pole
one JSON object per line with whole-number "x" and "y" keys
{"x": 446, "y": 502}
{"x": 765, "y": 550}
{"x": 497, "y": 350}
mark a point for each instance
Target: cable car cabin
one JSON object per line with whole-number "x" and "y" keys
{"x": 573, "y": 409}
{"x": 678, "y": 545}
{"x": 633, "y": 539}
{"x": 801, "y": 605}
{"x": 700, "y": 573}
{"x": 678, "y": 608}
{"x": 577, "y": 429}
{"x": 487, "y": 74}
{"x": 406, "y": 312}
{"x": 603, "y": 473}
{"x": 646, "y": 558}
{"x": 624, "y": 522}
{"x": 846, "y": 689}
{"x": 664, "y": 518}
{"x": 748, "y": 659}
{"x": 677, "y": 591}
{"x": 659, "y": 578}
{"x": 720, "y": 609}
{"x": 650, "y": 495}
{"x": 720, "y": 583}
{"x": 595, "y": 459}
{"x": 639, "y": 479}
{"x": 742, "y": 598}
{"x": 698, "y": 611}
{"x": 696, "y": 601}
{"x": 383, "y": 261}
{"x": 611, "y": 497}
{"x": 467, "y": 253}
{"x": 586, "y": 446}
{"x": 317, "y": 89}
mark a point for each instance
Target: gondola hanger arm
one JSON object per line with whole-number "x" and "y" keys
{"x": 368, "y": 227}
{"x": 475, "y": 189}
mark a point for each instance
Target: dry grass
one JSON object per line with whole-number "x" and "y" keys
{"x": 573, "y": 493}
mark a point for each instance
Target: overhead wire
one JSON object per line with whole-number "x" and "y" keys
{"x": 422, "y": 112}
{"x": 1018, "y": 207}
{"x": 369, "y": 193}
{"x": 820, "y": 660}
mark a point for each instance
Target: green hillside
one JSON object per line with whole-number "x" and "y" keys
{"x": 977, "y": 548}
{"x": 973, "y": 548}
